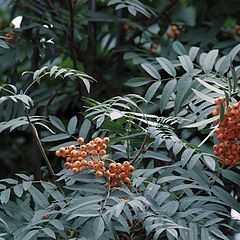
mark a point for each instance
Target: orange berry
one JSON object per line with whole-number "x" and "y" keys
{"x": 112, "y": 175}
{"x": 80, "y": 169}
{"x": 80, "y": 140}
{"x": 62, "y": 149}
{"x": 84, "y": 162}
{"x": 78, "y": 164}
{"x": 58, "y": 153}
{"x": 89, "y": 146}
{"x": 83, "y": 154}
{"x": 75, "y": 170}
{"x": 102, "y": 152}
{"x": 131, "y": 168}
{"x": 90, "y": 165}
{"x": 99, "y": 174}
{"x": 126, "y": 164}
{"x": 67, "y": 151}
{"x": 67, "y": 165}
{"x": 83, "y": 148}
{"x": 127, "y": 181}
{"x": 95, "y": 166}
{"x": 71, "y": 148}
{"x": 102, "y": 169}
{"x": 94, "y": 153}
{"x": 104, "y": 146}
{"x": 107, "y": 173}
{"x": 99, "y": 141}
{"x": 101, "y": 164}
{"x": 106, "y": 140}
{"x": 112, "y": 166}
{"x": 95, "y": 161}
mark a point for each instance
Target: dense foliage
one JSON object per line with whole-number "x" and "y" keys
{"x": 160, "y": 81}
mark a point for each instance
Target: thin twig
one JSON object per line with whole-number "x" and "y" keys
{"x": 142, "y": 148}
{"x": 71, "y": 34}
{"x": 39, "y": 144}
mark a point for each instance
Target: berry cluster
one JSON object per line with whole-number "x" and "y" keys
{"x": 89, "y": 157}
{"x": 174, "y": 32}
{"x": 229, "y": 132}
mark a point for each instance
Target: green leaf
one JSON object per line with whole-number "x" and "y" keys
{"x": 3, "y": 44}
{"x": 156, "y": 155}
{"x": 210, "y": 87}
{"x": 137, "y": 82}
{"x": 182, "y": 87}
{"x": 209, "y": 60}
{"x": 234, "y": 78}
{"x": 179, "y": 48}
{"x": 53, "y": 70}
{"x": 202, "y": 123}
{"x": 85, "y": 127}
{"x": 18, "y": 190}
{"x": 186, "y": 63}
{"x": 56, "y": 122}
{"x": 26, "y": 185}
{"x": 86, "y": 83}
{"x": 218, "y": 233}
{"x": 72, "y": 124}
{"x": 172, "y": 178}
{"x": 49, "y": 232}
{"x": 186, "y": 156}
{"x": 30, "y": 234}
{"x": 193, "y": 51}
{"x": 193, "y": 161}
{"x": 98, "y": 228}
{"x": 166, "y": 93}
{"x": 222, "y": 112}
{"x": 5, "y": 195}
{"x": 231, "y": 175}
{"x": 193, "y": 231}
{"x": 23, "y": 176}
{"x": 226, "y": 198}
{"x": 167, "y": 66}
{"x": 38, "y": 197}
{"x": 152, "y": 90}
{"x": 57, "y": 224}
{"x": 55, "y": 137}
{"x": 151, "y": 70}
{"x": 173, "y": 232}
{"x": 9, "y": 181}
{"x": 210, "y": 162}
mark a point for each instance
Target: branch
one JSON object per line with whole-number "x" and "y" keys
{"x": 39, "y": 144}
{"x": 142, "y": 148}
{"x": 71, "y": 34}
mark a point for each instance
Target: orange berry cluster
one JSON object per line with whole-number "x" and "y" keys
{"x": 89, "y": 157}
{"x": 229, "y": 132}
{"x": 174, "y": 32}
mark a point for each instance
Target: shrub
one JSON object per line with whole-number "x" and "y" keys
{"x": 179, "y": 189}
